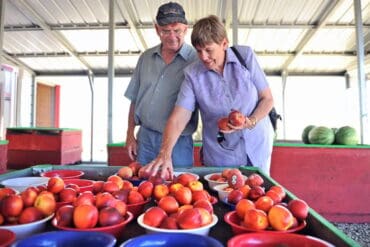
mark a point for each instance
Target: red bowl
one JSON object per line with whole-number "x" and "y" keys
{"x": 233, "y": 220}
{"x": 266, "y": 239}
{"x": 65, "y": 174}
{"x": 61, "y": 204}
{"x": 137, "y": 208}
{"x": 7, "y": 237}
{"x": 84, "y": 184}
{"x": 213, "y": 200}
{"x": 115, "y": 230}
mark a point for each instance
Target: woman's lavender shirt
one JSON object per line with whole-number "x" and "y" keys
{"x": 216, "y": 95}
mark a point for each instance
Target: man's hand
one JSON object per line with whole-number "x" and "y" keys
{"x": 131, "y": 146}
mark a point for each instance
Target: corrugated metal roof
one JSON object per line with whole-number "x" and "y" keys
{"x": 50, "y": 35}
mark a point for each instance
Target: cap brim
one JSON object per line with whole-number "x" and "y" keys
{"x": 170, "y": 20}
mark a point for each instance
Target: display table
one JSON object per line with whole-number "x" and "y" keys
{"x": 317, "y": 226}
{"x": 333, "y": 179}
{"x": 3, "y": 155}
{"x": 33, "y": 146}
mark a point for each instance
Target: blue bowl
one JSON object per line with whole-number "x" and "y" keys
{"x": 68, "y": 238}
{"x": 172, "y": 239}
{"x": 231, "y": 205}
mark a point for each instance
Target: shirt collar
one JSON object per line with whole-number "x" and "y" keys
{"x": 185, "y": 51}
{"x": 230, "y": 59}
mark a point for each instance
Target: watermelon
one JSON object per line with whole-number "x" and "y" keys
{"x": 305, "y": 133}
{"x": 346, "y": 135}
{"x": 321, "y": 135}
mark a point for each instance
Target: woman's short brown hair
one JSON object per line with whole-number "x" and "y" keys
{"x": 208, "y": 30}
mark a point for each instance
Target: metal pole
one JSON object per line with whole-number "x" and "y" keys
{"x": 110, "y": 68}
{"x": 361, "y": 70}
{"x": 2, "y": 13}
{"x": 33, "y": 100}
{"x": 284, "y": 76}
{"x": 235, "y": 21}
{"x": 91, "y": 82}
{"x": 2, "y": 125}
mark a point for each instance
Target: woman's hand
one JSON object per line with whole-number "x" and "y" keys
{"x": 249, "y": 123}
{"x": 161, "y": 166}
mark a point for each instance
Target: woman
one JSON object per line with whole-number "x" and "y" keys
{"x": 215, "y": 85}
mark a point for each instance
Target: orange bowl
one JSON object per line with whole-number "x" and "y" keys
{"x": 233, "y": 220}
{"x": 65, "y": 174}
{"x": 115, "y": 230}
{"x": 137, "y": 208}
{"x": 267, "y": 239}
{"x": 84, "y": 184}
{"x": 7, "y": 237}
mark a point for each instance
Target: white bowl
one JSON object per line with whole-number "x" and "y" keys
{"x": 222, "y": 194}
{"x": 204, "y": 230}
{"x": 213, "y": 183}
{"x": 22, "y": 183}
{"x": 25, "y": 230}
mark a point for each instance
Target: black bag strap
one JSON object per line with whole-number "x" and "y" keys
{"x": 274, "y": 116}
{"x": 237, "y": 54}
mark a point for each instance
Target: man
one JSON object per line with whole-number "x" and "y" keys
{"x": 154, "y": 87}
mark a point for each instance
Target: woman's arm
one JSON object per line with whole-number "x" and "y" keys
{"x": 175, "y": 125}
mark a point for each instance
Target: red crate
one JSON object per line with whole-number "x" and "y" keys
{"x": 3, "y": 156}
{"x": 19, "y": 139}
{"x": 197, "y": 161}
{"x": 20, "y": 159}
{"x": 334, "y": 181}
{"x": 117, "y": 155}
{"x": 33, "y": 146}
{"x": 52, "y": 140}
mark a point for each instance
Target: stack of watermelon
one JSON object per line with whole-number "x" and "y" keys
{"x": 322, "y": 135}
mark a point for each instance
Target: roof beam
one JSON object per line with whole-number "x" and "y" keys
{"x": 64, "y": 27}
{"x": 353, "y": 65}
{"x": 126, "y": 10}
{"x": 53, "y": 34}
{"x": 80, "y": 54}
{"x": 136, "y": 53}
{"x": 297, "y": 26}
{"x": 128, "y": 73}
{"x": 16, "y": 61}
{"x": 121, "y": 25}
{"x": 329, "y": 10}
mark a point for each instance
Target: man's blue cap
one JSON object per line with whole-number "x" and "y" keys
{"x": 169, "y": 13}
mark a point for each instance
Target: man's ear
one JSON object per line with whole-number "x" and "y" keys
{"x": 185, "y": 29}
{"x": 156, "y": 28}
